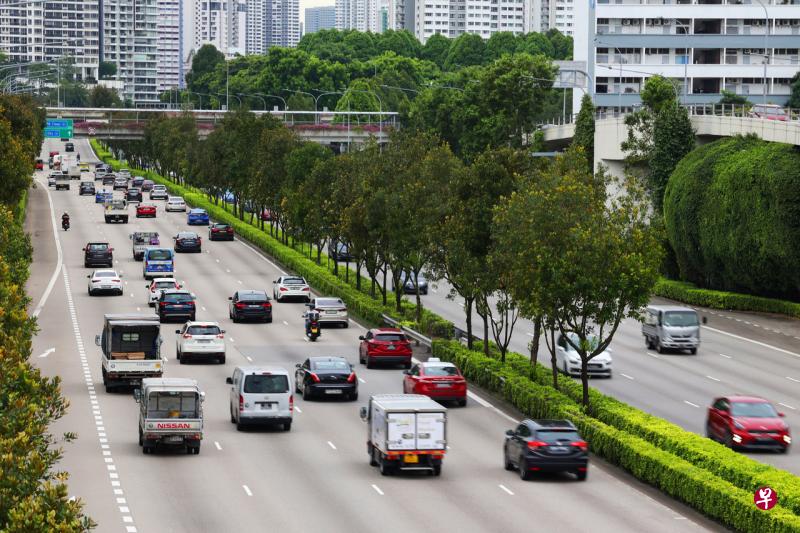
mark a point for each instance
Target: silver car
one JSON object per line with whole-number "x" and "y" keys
{"x": 569, "y": 361}
{"x": 331, "y": 310}
{"x": 291, "y": 287}
{"x": 261, "y": 395}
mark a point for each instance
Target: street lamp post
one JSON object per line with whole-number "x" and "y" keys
{"x": 263, "y": 101}
{"x": 285, "y": 106}
{"x": 380, "y": 107}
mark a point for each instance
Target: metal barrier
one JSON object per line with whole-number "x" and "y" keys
{"x": 419, "y": 338}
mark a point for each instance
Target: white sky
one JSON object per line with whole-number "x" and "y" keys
{"x": 311, "y": 3}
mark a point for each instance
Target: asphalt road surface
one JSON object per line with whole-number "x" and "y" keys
{"x": 316, "y": 477}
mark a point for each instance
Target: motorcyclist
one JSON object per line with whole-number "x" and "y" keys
{"x": 65, "y": 221}
{"x": 312, "y": 320}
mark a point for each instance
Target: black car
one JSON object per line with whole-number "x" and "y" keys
{"x": 137, "y": 182}
{"x": 134, "y": 195}
{"x": 69, "y": 147}
{"x": 250, "y": 304}
{"x": 187, "y": 241}
{"x": 220, "y": 232}
{"x": 546, "y": 446}
{"x": 176, "y": 303}
{"x": 326, "y": 376}
{"x": 339, "y": 251}
{"x": 87, "y": 187}
{"x": 407, "y": 282}
{"x": 98, "y": 254}
{"x": 109, "y": 179}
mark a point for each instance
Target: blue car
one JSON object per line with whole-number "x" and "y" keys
{"x": 197, "y": 217}
{"x": 102, "y": 197}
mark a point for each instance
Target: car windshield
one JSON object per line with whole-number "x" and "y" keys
{"x": 98, "y": 247}
{"x": 176, "y": 200}
{"x": 178, "y": 298}
{"x": 554, "y": 436}
{"x": 187, "y": 235}
{"x": 591, "y": 342}
{"x": 753, "y": 410}
{"x": 329, "y": 302}
{"x": 203, "y": 330}
{"x": 266, "y": 384}
{"x": 172, "y": 404}
{"x": 197, "y": 212}
{"x": 165, "y": 285}
{"x": 160, "y": 187}
{"x": 294, "y": 280}
{"x": 105, "y": 274}
{"x": 437, "y": 370}
{"x": 680, "y": 319}
{"x": 253, "y": 296}
{"x": 159, "y": 255}
{"x": 330, "y": 365}
{"x": 390, "y": 337}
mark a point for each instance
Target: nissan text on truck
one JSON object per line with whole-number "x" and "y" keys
{"x": 170, "y": 413}
{"x": 405, "y": 432}
{"x": 131, "y": 347}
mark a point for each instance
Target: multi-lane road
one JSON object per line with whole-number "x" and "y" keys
{"x": 314, "y": 478}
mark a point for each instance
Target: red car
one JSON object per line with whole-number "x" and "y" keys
{"x": 145, "y": 210}
{"x": 384, "y": 345}
{"x": 747, "y": 422}
{"x": 441, "y": 381}
{"x": 266, "y": 215}
{"x": 53, "y": 153}
{"x": 39, "y": 164}
{"x": 220, "y": 232}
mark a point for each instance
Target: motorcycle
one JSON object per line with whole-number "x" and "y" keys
{"x": 65, "y": 224}
{"x": 312, "y": 326}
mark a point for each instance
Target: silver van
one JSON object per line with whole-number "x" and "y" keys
{"x": 261, "y": 395}
{"x": 671, "y": 327}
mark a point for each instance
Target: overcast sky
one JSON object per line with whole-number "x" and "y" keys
{"x": 311, "y": 3}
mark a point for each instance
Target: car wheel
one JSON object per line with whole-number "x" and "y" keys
{"x": 268, "y": 320}
{"x": 346, "y": 325}
{"x": 369, "y": 362}
{"x": 239, "y": 426}
{"x": 581, "y": 475}
{"x": 193, "y": 317}
{"x": 141, "y": 437}
{"x": 693, "y": 351}
{"x": 508, "y": 465}
{"x": 90, "y": 291}
{"x": 147, "y": 449}
{"x": 360, "y": 358}
{"x": 659, "y": 348}
{"x": 524, "y": 473}
{"x": 235, "y": 318}
{"x": 287, "y": 426}
{"x": 373, "y": 452}
{"x": 384, "y": 467}
{"x": 221, "y": 359}
{"x": 462, "y": 403}
{"x": 407, "y": 365}
{"x": 437, "y": 470}
{"x": 729, "y": 440}
{"x": 354, "y": 397}
{"x": 233, "y": 418}
{"x": 306, "y": 393}
{"x": 296, "y": 385}
{"x": 647, "y": 343}
{"x": 785, "y": 449}
{"x": 709, "y": 432}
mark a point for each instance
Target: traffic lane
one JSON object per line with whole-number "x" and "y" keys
{"x": 38, "y": 224}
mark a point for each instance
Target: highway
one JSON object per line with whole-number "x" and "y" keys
{"x": 317, "y": 476}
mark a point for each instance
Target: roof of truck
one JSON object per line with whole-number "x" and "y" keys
{"x": 169, "y": 383}
{"x": 670, "y": 308}
{"x": 117, "y": 317}
{"x": 407, "y": 402}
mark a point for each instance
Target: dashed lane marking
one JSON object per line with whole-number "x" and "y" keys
{"x": 506, "y": 490}
{"x": 726, "y": 356}
{"x": 48, "y": 352}
{"x": 793, "y": 379}
{"x": 247, "y": 490}
{"x": 712, "y": 378}
{"x": 332, "y": 445}
{"x": 377, "y": 489}
{"x": 625, "y": 376}
{"x": 687, "y": 402}
{"x": 787, "y": 406}
{"x": 216, "y": 444}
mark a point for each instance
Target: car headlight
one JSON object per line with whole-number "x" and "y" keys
{"x": 737, "y": 439}
{"x": 574, "y": 360}
{"x": 787, "y": 439}
{"x": 738, "y": 425}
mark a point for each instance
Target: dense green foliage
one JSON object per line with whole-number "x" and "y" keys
{"x": 794, "y": 98}
{"x": 584, "y": 130}
{"x": 33, "y": 494}
{"x": 732, "y": 213}
{"x": 684, "y": 291}
{"x": 711, "y": 478}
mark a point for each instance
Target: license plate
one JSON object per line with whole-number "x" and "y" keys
{"x": 558, "y": 449}
{"x": 314, "y": 330}
{"x": 173, "y": 438}
{"x": 330, "y": 312}
{"x": 391, "y": 347}
{"x": 107, "y": 286}
{"x": 410, "y": 458}
{"x": 333, "y": 391}
{"x": 267, "y": 406}
{"x": 203, "y": 340}
{"x": 442, "y": 385}
{"x": 253, "y": 306}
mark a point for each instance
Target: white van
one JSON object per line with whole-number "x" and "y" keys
{"x": 671, "y": 327}
{"x": 261, "y": 395}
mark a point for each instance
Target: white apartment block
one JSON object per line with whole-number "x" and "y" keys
{"x": 452, "y": 18}
{"x": 257, "y": 21}
{"x": 45, "y": 32}
{"x": 284, "y": 23}
{"x": 361, "y": 15}
{"x": 558, "y": 14}
{"x": 320, "y": 18}
{"x": 222, "y": 23}
{"x": 169, "y": 45}
{"x": 130, "y": 42}
{"x": 705, "y": 46}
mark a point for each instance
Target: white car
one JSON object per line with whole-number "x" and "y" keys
{"x": 175, "y": 203}
{"x": 291, "y": 287}
{"x": 331, "y": 310}
{"x": 105, "y": 281}
{"x": 156, "y": 286}
{"x": 569, "y": 361}
{"x": 200, "y": 339}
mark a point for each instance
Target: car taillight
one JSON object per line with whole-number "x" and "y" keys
{"x": 266, "y": 305}
{"x": 239, "y": 305}
{"x": 214, "y": 230}
{"x": 351, "y": 378}
{"x": 241, "y": 403}
{"x": 187, "y": 336}
{"x": 115, "y": 280}
{"x": 582, "y": 445}
{"x": 282, "y": 289}
{"x": 95, "y": 280}
{"x": 229, "y": 230}
{"x": 535, "y": 444}
{"x": 291, "y": 403}
{"x": 162, "y": 304}
{"x": 220, "y": 335}
{"x": 314, "y": 377}
{"x": 306, "y": 289}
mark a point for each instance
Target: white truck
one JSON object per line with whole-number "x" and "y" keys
{"x": 74, "y": 172}
{"x": 131, "y": 348}
{"x": 117, "y": 211}
{"x": 405, "y": 432}
{"x": 62, "y": 181}
{"x": 170, "y": 413}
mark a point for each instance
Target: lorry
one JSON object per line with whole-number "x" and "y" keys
{"x": 131, "y": 348}
{"x": 405, "y": 432}
{"x": 117, "y": 211}
{"x": 74, "y": 172}
{"x": 671, "y": 327}
{"x": 56, "y": 164}
{"x": 141, "y": 240}
{"x": 170, "y": 413}
{"x": 62, "y": 181}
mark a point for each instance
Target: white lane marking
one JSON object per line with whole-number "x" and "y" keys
{"x": 47, "y": 352}
{"x": 247, "y": 490}
{"x": 764, "y": 344}
{"x": 726, "y": 356}
{"x": 217, "y": 260}
{"x": 248, "y": 358}
{"x": 625, "y": 375}
{"x": 687, "y": 402}
{"x": 305, "y": 339}
{"x": 331, "y": 445}
{"x": 285, "y": 323}
{"x": 361, "y": 380}
{"x": 377, "y": 489}
{"x": 529, "y": 334}
{"x": 712, "y": 378}
{"x": 232, "y": 340}
{"x": 59, "y": 261}
{"x": 239, "y": 281}
{"x": 228, "y": 270}
{"x": 131, "y": 295}
{"x": 298, "y": 409}
{"x": 203, "y": 308}
{"x": 505, "y": 489}
{"x": 259, "y": 254}
{"x": 654, "y": 356}
{"x": 217, "y": 445}
{"x": 787, "y": 406}
{"x": 793, "y": 379}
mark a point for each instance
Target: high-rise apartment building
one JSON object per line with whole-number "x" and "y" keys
{"x": 361, "y": 15}
{"x": 222, "y": 23}
{"x": 35, "y": 31}
{"x": 169, "y": 45}
{"x": 320, "y": 18}
{"x": 130, "y": 42}
{"x": 272, "y": 23}
{"x": 705, "y": 46}
{"x": 452, "y": 18}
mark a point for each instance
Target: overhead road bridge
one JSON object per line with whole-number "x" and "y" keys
{"x": 337, "y": 129}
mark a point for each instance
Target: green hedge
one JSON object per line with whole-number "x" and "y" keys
{"x": 683, "y": 291}
{"x": 733, "y": 467}
{"x": 651, "y": 462}
{"x": 320, "y": 277}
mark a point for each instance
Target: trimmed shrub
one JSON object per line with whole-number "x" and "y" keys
{"x": 732, "y": 214}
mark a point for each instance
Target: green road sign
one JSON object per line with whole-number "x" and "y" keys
{"x": 58, "y": 128}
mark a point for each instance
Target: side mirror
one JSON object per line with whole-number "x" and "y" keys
{"x": 230, "y": 298}
{"x": 97, "y": 340}
{"x": 177, "y": 331}
{"x": 89, "y": 276}
{"x": 222, "y": 331}
{"x": 193, "y": 295}
{"x": 781, "y": 415}
{"x": 705, "y": 320}
{"x": 229, "y": 380}
{"x": 84, "y": 249}
{"x": 407, "y": 372}
{"x": 147, "y": 286}
{"x": 110, "y": 249}
{"x": 202, "y": 396}
{"x": 361, "y": 337}
{"x": 298, "y": 365}
{"x": 137, "y": 395}
{"x": 363, "y": 413}
{"x": 510, "y": 432}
